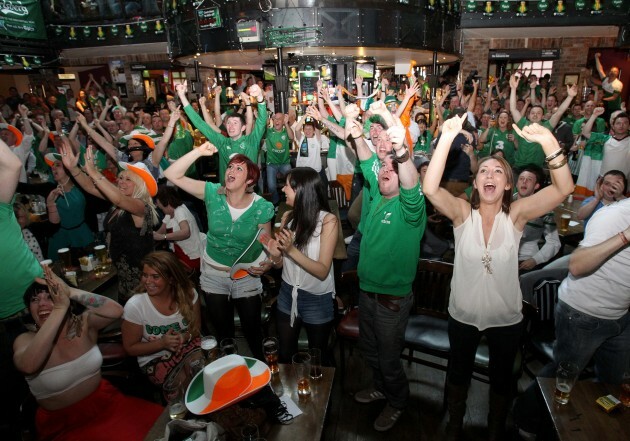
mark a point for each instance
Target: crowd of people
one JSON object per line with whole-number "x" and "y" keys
{"x": 492, "y": 164}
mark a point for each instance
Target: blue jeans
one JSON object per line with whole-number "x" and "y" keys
{"x": 580, "y": 337}
{"x": 272, "y": 171}
{"x": 382, "y": 339}
{"x": 352, "y": 262}
{"x": 503, "y": 343}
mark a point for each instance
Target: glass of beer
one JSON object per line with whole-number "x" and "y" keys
{"x": 173, "y": 393}
{"x": 302, "y": 370}
{"x": 65, "y": 258}
{"x": 316, "y": 363}
{"x": 270, "y": 349}
{"x": 566, "y": 375}
{"x": 101, "y": 254}
{"x": 209, "y": 346}
{"x": 564, "y": 221}
{"x": 228, "y": 346}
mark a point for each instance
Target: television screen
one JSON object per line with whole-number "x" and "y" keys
{"x": 269, "y": 73}
{"x": 366, "y": 70}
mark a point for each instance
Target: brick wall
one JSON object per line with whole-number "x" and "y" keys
{"x": 573, "y": 53}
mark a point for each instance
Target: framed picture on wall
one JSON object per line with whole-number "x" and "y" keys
{"x": 570, "y": 79}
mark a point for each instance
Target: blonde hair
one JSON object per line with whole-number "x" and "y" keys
{"x": 140, "y": 191}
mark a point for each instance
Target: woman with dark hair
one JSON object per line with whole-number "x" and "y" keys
{"x": 487, "y": 234}
{"x": 62, "y": 364}
{"x": 304, "y": 249}
{"x": 161, "y": 323}
{"x": 235, "y": 217}
{"x": 499, "y": 138}
{"x": 82, "y": 101}
{"x": 179, "y": 228}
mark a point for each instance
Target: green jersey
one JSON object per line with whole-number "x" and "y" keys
{"x": 247, "y": 145}
{"x": 278, "y": 146}
{"x": 529, "y": 152}
{"x": 498, "y": 140}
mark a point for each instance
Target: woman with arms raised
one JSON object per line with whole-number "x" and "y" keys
{"x": 487, "y": 233}
{"x": 235, "y": 215}
{"x": 62, "y": 364}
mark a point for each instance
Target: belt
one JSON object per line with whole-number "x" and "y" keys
{"x": 386, "y": 300}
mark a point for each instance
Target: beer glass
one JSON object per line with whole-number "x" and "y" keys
{"x": 566, "y": 375}
{"x": 270, "y": 350}
{"x": 209, "y": 346}
{"x": 65, "y": 258}
{"x": 302, "y": 370}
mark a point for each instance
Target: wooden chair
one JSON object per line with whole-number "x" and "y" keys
{"x": 540, "y": 291}
{"x": 427, "y": 330}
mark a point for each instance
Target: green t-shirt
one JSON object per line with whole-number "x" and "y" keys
{"x": 599, "y": 125}
{"x": 278, "y": 146}
{"x": 498, "y": 140}
{"x": 182, "y": 143}
{"x": 529, "y": 152}
{"x": 227, "y": 239}
{"x": 247, "y": 145}
{"x": 374, "y": 166}
{"x": 19, "y": 265}
{"x": 424, "y": 143}
{"x": 390, "y": 246}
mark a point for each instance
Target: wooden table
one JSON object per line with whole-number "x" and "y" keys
{"x": 571, "y": 209}
{"x": 582, "y": 419}
{"x": 87, "y": 280}
{"x": 309, "y": 425}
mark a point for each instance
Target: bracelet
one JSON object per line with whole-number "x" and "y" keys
{"x": 78, "y": 173}
{"x": 360, "y": 136}
{"x": 624, "y": 239}
{"x": 554, "y": 155}
{"x": 558, "y": 164}
{"x": 402, "y": 158}
{"x": 276, "y": 261}
{"x": 248, "y": 105}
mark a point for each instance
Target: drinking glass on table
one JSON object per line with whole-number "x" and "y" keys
{"x": 209, "y": 346}
{"x": 566, "y": 375}
{"x": 65, "y": 258}
{"x": 316, "y": 363}
{"x": 302, "y": 370}
{"x": 270, "y": 349}
{"x": 228, "y": 346}
{"x": 174, "y": 396}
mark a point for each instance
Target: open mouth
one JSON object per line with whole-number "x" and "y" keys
{"x": 43, "y": 315}
{"x": 489, "y": 187}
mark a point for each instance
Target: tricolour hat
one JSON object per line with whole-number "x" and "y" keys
{"x": 141, "y": 170}
{"x": 50, "y": 158}
{"x": 145, "y": 137}
{"x": 15, "y": 130}
{"x": 225, "y": 382}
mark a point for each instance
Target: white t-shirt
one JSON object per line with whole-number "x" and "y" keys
{"x": 313, "y": 160}
{"x": 140, "y": 311}
{"x": 23, "y": 151}
{"x": 616, "y": 156}
{"x": 192, "y": 246}
{"x": 606, "y": 292}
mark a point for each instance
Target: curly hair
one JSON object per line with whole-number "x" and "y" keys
{"x": 174, "y": 272}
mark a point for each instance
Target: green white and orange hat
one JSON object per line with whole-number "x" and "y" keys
{"x": 51, "y": 158}
{"x": 142, "y": 170}
{"x": 14, "y": 130}
{"x": 145, "y": 137}
{"x": 225, "y": 382}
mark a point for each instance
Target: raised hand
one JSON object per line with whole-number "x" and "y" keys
{"x": 217, "y": 90}
{"x": 534, "y": 133}
{"x": 397, "y": 137}
{"x": 175, "y": 115}
{"x": 90, "y": 159}
{"x": 181, "y": 89}
{"x": 412, "y": 90}
{"x": 353, "y": 128}
{"x": 69, "y": 159}
{"x": 312, "y": 112}
{"x": 358, "y": 80}
{"x": 514, "y": 81}
{"x": 453, "y": 126}
{"x": 378, "y": 108}
{"x": 572, "y": 90}
{"x": 255, "y": 91}
{"x": 207, "y": 149}
{"x": 202, "y": 101}
{"x": 58, "y": 289}
{"x": 598, "y": 111}
{"x": 352, "y": 110}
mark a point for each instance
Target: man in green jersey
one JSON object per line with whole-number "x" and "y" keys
{"x": 278, "y": 139}
{"x": 236, "y": 141}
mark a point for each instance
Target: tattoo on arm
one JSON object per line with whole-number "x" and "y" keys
{"x": 90, "y": 299}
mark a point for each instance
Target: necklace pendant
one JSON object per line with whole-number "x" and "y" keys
{"x": 486, "y": 259}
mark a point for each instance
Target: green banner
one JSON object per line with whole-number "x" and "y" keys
{"x": 22, "y": 19}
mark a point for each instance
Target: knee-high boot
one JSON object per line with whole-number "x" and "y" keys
{"x": 499, "y": 407}
{"x": 456, "y": 402}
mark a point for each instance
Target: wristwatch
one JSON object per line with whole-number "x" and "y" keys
{"x": 402, "y": 158}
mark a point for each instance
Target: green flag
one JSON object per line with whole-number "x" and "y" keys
{"x": 22, "y": 19}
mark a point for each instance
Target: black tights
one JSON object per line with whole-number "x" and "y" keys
{"x": 288, "y": 337}
{"x": 220, "y": 310}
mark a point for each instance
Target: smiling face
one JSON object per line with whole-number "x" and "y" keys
{"x": 536, "y": 114}
{"x": 375, "y": 130}
{"x": 234, "y": 127}
{"x": 278, "y": 121}
{"x": 527, "y": 184}
{"x": 236, "y": 176}
{"x": 388, "y": 183}
{"x": 40, "y": 306}
{"x": 309, "y": 130}
{"x": 503, "y": 120}
{"x": 491, "y": 181}
{"x": 125, "y": 184}
{"x": 153, "y": 282}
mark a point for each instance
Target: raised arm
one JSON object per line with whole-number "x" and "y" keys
{"x": 516, "y": 115}
{"x": 217, "y": 106}
{"x": 176, "y": 173}
{"x": 598, "y": 66}
{"x": 336, "y": 111}
{"x": 249, "y": 113}
{"x": 354, "y": 133}
{"x": 206, "y": 114}
{"x": 572, "y": 92}
{"x": 453, "y": 208}
{"x": 588, "y": 127}
{"x": 98, "y": 138}
{"x": 561, "y": 186}
{"x": 103, "y": 114}
{"x": 161, "y": 146}
{"x": 407, "y": 174}
{"x": 26, "y": 122}
{"x": 290, "y": 133}
{"x": 335, "y": 129}
{"x": 10, "y": 168}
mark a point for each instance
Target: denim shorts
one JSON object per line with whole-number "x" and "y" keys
{"x": 311, "y": 309}
{"x": 215, "y": 281}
